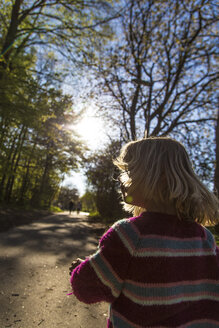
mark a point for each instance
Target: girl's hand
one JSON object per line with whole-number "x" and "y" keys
{"x": 74, "y": 264}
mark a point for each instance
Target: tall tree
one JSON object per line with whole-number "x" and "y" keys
{"x": 101, "y": 175}
{"x": 160, "y": 74}
{"x": 36, "y": 148}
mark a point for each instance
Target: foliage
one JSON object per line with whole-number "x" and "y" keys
{"x": 88, "y": 201}
{"x": 101, "y": 175}
{"x": 37, "y": 149}
{"x": 159, "y": 75}
{"x": 55, "y": 209}
{"x": 65, "y": 195}
{"x": 37, "y": 146}
{"x": 215, "y": 232}
{"x": 69, "y": 27}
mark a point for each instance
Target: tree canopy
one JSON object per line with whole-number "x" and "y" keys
{"x": 38, "y": 40}
{"x": 154, "y": 66}
{"x": 159, "y": 75}
{"x": 65, "y": 26}
{"x": 102, "y": 179}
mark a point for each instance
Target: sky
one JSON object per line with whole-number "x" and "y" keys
{"x": 76, "y": 180}
{"x": 91, "y": 129}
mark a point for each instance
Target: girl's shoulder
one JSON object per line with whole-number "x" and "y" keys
{"x": 127, "y": 230}
{"x": 126, "y": 223}
{"x": 122, "y": 230}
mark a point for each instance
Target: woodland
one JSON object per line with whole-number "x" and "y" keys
{"x": 149, "y": 66}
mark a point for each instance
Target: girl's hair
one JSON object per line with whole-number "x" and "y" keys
{"x": 160, "y": 169}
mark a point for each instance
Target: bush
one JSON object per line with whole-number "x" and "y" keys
{"x": 55, "y": 209}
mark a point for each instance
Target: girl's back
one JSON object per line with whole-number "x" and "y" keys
{"x": 172, "y": 278}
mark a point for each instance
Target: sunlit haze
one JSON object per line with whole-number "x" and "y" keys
{"x": 91, "y": 130}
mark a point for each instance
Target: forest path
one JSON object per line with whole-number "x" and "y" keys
{"x": 34, "y": 275}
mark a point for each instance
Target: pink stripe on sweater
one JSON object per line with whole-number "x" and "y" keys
{"x": 153, "y": 236}
{"x": 171, "y": 250}
{"x": 110, "y": 268}
{"x": 103, "y": 278}
{"x": 117, "y": 314}
{"x": 198, "y": 321}
{"x": 162, "y": 299}
{"x": 173, "y": 284}
{"x": 185, "y": 325}
{"x": 124, "y": 237}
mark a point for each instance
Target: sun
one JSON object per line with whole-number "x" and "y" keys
{"x": 91, "y": 130}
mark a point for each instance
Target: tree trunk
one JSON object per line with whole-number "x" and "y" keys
{"x": 25, "y": 181}
{"x": 14, "y": 164}
{"x": 12, "y": 33}
{"x": 216, "y": 176}
{"x": 40, "y": 197}
{"x": 7, "y": 167}
{"x": 134, "y": 105}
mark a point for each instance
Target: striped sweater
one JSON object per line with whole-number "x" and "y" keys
{"x": 155, "y": 271}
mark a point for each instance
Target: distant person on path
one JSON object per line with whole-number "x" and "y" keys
{"x": 71, "y": 206}
{"x": 79, "y": 206}
{"x": 159, "y": 268}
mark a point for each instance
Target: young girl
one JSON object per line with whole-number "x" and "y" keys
{"x": 159, "y": 268}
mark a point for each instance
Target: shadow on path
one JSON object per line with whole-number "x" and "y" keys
{"x": 34, "y": 279}
{"x": 53, "y": 234}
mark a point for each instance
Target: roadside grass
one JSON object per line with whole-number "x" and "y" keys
{"x": 55, "y": 209}
{"x": 96, "y": 217}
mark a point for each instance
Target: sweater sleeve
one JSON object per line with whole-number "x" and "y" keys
{"x": 101, "y": 276}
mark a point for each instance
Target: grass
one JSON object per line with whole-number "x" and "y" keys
{"x": 96, "y": 217}
{"x": 55, "y": 209}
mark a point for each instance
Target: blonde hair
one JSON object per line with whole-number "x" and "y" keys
{"x": 160, "y": 168}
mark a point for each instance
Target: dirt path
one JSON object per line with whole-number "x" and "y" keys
{"x": 34, "y": 278}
